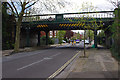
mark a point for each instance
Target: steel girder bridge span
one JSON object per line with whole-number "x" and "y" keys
{"x": 68, "y": 21}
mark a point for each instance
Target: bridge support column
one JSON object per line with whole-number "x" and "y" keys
{"x": 89, "y": 38}
{"x": 46, "y": 37}
{"x": 28, "y": 36}
{"x": 95, "y": 38}
{"x": 14, "y": 33}
{"x": 108, "y": 40}
{"x": 38, "y": 44}
{"x": 53, "y": 34}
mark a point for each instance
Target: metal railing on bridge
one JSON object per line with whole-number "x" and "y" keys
{"x": 66, "y": 16}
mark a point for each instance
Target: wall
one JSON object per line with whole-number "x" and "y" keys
{"x": 33, "y": 37}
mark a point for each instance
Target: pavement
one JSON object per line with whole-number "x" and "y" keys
{"x": 98, "y": 63}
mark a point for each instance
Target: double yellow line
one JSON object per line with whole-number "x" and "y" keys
{"x": 63, "y": 67}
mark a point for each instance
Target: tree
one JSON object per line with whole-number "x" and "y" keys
{"x": 115, "y": 3}
{"x": 7, "y": 29}
{"x": 21, "y": 7}
{"x": 4, "y": 25}
{"x": 115, "y": 29}
{"x": 60, "y": 35}
{"x": 87, "y": 7}
{"x": 78, "y": 35}
{"x": 101, "y": 37}
{"x": 68, "y": 34}
{"x": 90, "y": 34}
{"x": 18, "y": 9}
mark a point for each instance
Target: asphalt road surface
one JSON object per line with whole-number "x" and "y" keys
{"x": 37, "y": 64}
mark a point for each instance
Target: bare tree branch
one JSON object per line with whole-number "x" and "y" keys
{"x": 15, "y": 8}
{"x": 23, "y": 9}
{"x": 20, "y": 2}
{"x": 27, "y": 3}
{"x": 23, "y": 5}
{"x": 11, "y": 8}
{"x": 30, "y": 5}
{"x": 112, "y": 2}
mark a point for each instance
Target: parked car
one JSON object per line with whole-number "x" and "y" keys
{"x": 82, "y": 40}
{"x": 86, "y": 41}
{"x": 77, "y": 41}
{"x": 63, "y": 41}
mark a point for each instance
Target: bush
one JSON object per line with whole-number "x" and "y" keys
{"x": 51, "y": 41}
{"x": 115, "y": 52}
{"x": 60, "y": 41}
{"x": 65, "y": 40}
{"x": 43, "y": 40}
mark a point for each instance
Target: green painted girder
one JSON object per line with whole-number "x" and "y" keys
{"x": 71, "y": 21}
{"x": 59, "y": 19}
{"x": 56, "y": 26}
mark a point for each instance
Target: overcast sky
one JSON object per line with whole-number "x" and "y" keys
{"x": 100, "y": 4}
{"x": 74, "y": 5}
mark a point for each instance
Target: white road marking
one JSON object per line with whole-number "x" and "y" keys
{"x": 46, "y": 58}
{"x": 55, "y": 55}
{"x": 30, "y": 64}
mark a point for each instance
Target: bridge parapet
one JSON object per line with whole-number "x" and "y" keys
{"x": 98, "y": 14}
{"x": 70, "y": 16}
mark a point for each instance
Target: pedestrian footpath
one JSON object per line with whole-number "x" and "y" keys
{"x": 98, "y": 64}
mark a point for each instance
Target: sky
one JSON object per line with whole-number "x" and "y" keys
{"x": 100, "y": 4}
{"x": 74, "y": 5}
